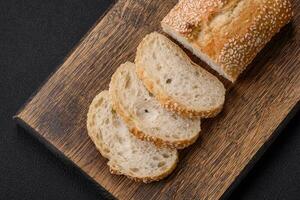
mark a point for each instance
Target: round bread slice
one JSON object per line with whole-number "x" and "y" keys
{"x": 144, "y": 115}
{"x": 178, "y": 83}
{"x": 127, "y": 155}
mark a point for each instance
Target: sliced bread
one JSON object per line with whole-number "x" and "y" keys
{"x": 127, "y": 155}
{"x": 178, "y": 83}
{"x": 144, "y": 115}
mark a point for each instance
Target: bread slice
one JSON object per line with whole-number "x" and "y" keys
{"x": 178, "y": 83}
{"x": 227, "y": 35}
{"x": 127, "y": 155}
{"x": 145, "y": 117}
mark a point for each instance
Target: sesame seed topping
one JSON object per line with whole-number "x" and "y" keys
{"x": 235, "y": 51}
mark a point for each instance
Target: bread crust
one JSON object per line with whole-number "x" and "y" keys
{"x": 147, "y": 179}
{"x": 229, "y": 32}
{"x": 92, "y": 132}
{"x": 159, "y": 142}
{"x": 168, "y": 102}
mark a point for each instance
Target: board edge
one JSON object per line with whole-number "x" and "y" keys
{"x": 261, "y": 151}
{"x": 58, "y": 154}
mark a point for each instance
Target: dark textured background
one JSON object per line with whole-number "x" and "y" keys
{"x": 35, "y": 37}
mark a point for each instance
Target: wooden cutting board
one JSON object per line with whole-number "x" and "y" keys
{"x": 255, "y": 106}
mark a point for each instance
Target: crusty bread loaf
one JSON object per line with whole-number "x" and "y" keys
{"x": 227, "y": 34}
{"x": 145, "y": 117}
{"x": 178, "y": 83}
{"x": 127, "y": 155}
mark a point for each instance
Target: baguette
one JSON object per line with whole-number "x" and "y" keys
{"x": 178, "y": 83}
{"x": 127, "y": 155}
{"x": 145, "y": 117}
{"x": 227, "y": 35}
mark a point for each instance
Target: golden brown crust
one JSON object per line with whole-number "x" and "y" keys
{"x": 163, "y": 143}
{"x": 230, "y": 32}
{"x": 149, "y": 179}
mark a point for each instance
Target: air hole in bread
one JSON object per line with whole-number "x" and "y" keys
{"x": 155, "y": 158}
{"x": 128, "y": 82}
{"x": 175, "y": 117}
{"x": 116, "y": 123}
{"x": 134, "y": 151}
{"x": 134, "y": 169}
{"x": 152, "y": 165}
{"x": 156, "y": 128}
{"x": 158, "y": 67}
{"x": 119, "y": 139}
{"x": 98, "y": 104}
{"x": 166, "y": 155}
{"x": 98, "y": 136}
{"x": 106, "y": 151}
{"x": 169, "y": 80}
{"x": 120, "y": 153}
{"x": 150, "y": 94}
{"x": 160, "y": 164}
{"x": 146, "y": 111}
{"x": 123, "y": 72}
{"x": 175, "y": 136}
{"x": 154, "y": 56}
{"x": 195, "y": 86}
{"x": 106, "y": 121}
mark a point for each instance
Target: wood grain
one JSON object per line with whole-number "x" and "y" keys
{"x": 255, "y": 106}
